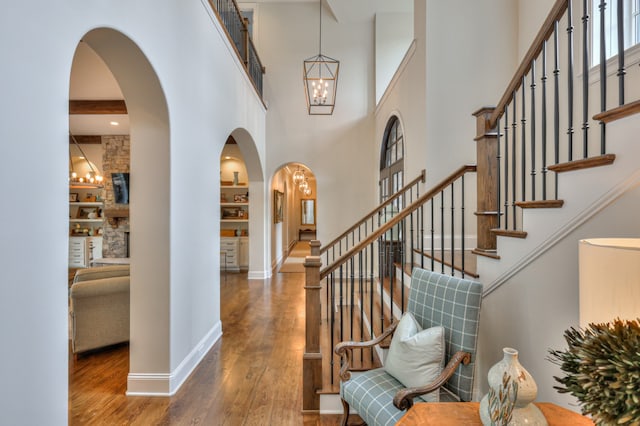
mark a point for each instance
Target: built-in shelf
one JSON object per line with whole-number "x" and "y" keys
{"x": 98, "y": 220}
{"x": 233, "y": 204}
{"x": 78, "y": 185}
{"x": 86, "y": 203}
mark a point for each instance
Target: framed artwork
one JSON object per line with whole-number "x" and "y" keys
{"x": 278, "y": 208}
{"x": 74, "y": 197}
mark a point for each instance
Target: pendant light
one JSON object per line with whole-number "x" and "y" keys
{"x": 320, "y": 75}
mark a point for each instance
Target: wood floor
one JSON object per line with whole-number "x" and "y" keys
{"x": 252, "y": 376}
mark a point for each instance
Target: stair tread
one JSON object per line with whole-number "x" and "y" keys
{"x": 584, "y": 163}
{"x": 493, "y": 254}
{"x": 509, "y": 233}
{"x": 540, "y": 204}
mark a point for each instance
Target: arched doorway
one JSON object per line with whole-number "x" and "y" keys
{"x": 149, "y": 358}
{"x": 293, "y": 214}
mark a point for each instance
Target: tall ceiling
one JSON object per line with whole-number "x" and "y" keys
{"x": 92, "y": 80}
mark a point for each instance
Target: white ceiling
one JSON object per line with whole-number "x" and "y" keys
{"x": 92, "y": 80}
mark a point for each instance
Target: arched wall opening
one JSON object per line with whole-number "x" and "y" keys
{"x": 258, "y": 206}
{"x": 289, "y": 201}
{"x": 149, "y": 210}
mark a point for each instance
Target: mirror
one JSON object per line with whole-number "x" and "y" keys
{"x": 308, "y": 209}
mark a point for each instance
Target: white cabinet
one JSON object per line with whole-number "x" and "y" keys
{"x": 229, "y": 247}
{"x": 83, "y": 250}
{"x": 243, "y": 256}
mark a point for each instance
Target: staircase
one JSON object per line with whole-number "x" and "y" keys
{"x": 545, "y": 179}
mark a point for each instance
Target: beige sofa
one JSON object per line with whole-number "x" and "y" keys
{"x": 99, "y": 301}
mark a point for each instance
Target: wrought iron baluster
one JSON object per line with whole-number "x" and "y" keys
{"x": 433, "y": 251}
{"x": 621, "y": 70}
{"x": 514, "y": 129}
{"x": 371, "y": 284}
{"x": 585, "y": 79}
{"x": 333, "y": 316}
{"x": 453, "y": 262}
{"x": 543, "y": 124}
{"x": 341, "y": 282}
{"x": 361, "y": 296}
{"x": 462, "y": 230}
{"x": 506, "y": 167}
{"x": 533, "y": 129}
{"x": 556, "y": 102}
{"x": 352, "y": 301}
{"x": 570, "y": 79}
{"x": 523, "y": 144}
{"x": 603, "y": 74}
{"x": 499, "y": 160}
{"x": 442, "y": 231}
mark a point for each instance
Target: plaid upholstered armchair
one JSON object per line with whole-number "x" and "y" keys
{"x": 431, "y": 356}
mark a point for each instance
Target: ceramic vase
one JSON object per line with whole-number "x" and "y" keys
{"x": 524, "y": 411}
{"x": 235, "y": 178}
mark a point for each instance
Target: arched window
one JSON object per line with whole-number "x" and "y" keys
{"x": 392, "y": 161}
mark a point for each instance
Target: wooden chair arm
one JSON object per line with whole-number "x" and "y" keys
{"x": 404, "y": 397}
{"x": 343, "y": 350}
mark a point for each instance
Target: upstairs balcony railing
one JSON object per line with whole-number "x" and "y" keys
{"x": 237, "y": 29}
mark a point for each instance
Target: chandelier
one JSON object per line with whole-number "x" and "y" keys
{"x": 300, "y": 180}
{"x": 81, "y": 170}
{"x": 320, "y": 76}
{"x": 298, "y": 176}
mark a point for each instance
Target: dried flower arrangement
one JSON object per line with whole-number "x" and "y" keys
{"x": 602, "y": 366}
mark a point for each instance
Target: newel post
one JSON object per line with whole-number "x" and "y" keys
{"x": 312, "y": 358}
{"x": 487, "y": 181}
{"x": 315, "y": 247}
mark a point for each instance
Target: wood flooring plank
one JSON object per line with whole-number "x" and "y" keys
{"x": 252, "y": 376}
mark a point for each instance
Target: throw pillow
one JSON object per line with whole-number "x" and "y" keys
{"x": 416, "y": 356}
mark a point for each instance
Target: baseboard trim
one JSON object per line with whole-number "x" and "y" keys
{"x": 167, "y": 384}
{"x": 259, "y": 275}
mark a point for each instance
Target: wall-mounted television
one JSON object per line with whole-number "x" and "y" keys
{"x": 120, "y": 187}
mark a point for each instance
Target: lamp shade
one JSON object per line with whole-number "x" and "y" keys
{"x": 609, "y": 279}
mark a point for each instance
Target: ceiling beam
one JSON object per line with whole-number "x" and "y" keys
{"x": 114, "y": 106}
{"x": 86, "y": 139}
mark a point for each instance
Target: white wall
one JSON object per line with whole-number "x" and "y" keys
{"x": 531, "y": 15}
{"x": 337, "y": 147}
{"x": 393, "y": 35}
{"x": 468, "y": 71}
{"x": 194, "y": 66}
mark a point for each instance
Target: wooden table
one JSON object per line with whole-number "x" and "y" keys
{"x": 466, "y": 413}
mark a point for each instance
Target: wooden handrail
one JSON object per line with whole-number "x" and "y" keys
{"x": 558, "y": 9}
{"x": 391, "y": 199}
{"x": 396, "y": 219}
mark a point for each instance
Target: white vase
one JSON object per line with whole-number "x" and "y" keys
{"x": 524, "y": 412}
